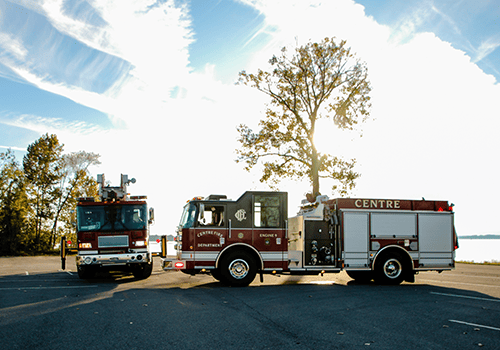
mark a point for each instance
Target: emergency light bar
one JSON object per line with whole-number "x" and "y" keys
{"x": 86, "y": 199}
{"x": 138, "y": 197}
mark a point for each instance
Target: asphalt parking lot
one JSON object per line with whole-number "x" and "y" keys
{"x": 44, "y": 307}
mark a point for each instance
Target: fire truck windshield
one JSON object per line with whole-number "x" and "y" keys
{"x": 112, "y": 217}
{"x": 188, "y": 216}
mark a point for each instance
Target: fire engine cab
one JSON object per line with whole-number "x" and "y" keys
{"x": 113, "y": 233}
{"x": 387, "y": 240}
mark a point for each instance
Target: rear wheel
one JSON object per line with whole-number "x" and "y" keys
{"x": 238, "y": 269}
{"x": 390, "y": 269}
{"x": 361, "y": 276}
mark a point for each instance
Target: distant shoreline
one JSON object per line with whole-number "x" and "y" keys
{"x": 480, "y": 237}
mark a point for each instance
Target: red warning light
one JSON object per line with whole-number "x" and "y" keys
{"x": 158, "y": 240}
{"x": 69, "y": 242}
{"x": 440, "y": 209}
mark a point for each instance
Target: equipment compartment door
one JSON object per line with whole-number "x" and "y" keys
{"x": 319, "y": 247}
{"x": 355, "y": 229}
{"x": 435, "y": 240}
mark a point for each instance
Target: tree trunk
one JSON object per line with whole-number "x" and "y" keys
{"x": 59, "y": 209}
{"x": 315, "y": 173}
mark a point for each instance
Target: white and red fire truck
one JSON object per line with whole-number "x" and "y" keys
{"x": 112, "y": 233}
{"x": 383, "y": 239}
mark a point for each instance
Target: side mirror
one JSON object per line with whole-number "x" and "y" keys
{"x": 151, "y": 215}
{"x": 202, "y": 212}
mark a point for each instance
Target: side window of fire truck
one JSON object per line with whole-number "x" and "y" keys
{"x": 213, "y": 215}
{"x": 267, "y": 211}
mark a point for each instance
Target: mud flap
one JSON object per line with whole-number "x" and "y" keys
{"x": 410, "y": 276}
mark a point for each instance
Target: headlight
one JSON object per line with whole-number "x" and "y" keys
{"x": 85, "y": 245}
{"x": 140, "y": 243}
{"x": 88, "y": 260}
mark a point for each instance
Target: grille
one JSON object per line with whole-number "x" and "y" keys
{"x": 113, "y": 241}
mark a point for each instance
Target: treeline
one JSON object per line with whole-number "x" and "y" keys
{"x": 38, "y": 197}
{"x": 480, "y": 237}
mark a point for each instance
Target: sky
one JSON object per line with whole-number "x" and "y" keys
{"x": 150, "y": 86}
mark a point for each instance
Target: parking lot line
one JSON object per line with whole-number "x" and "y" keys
{"x": 475, "y": 325}
{"x": 465, "y": 296}
{"x": 61, "y": 287}
{"x": 467, "y": 284}
{"x": 473, "y": 276}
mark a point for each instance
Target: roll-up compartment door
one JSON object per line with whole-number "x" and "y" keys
{"x": 435, "y": 239}
{"x": 355, "y": 239}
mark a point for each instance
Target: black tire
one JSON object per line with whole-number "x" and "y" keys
{"x": 390, "y": 269}
{"x": 86, "y": 272}
{"x": 143, "y": 271}
{"x": 361, "y": 276}
{"x": 238, "y": 269}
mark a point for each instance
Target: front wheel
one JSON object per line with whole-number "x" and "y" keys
{"x": 390, "y": 269}
{"x": 238, "y": 269}
{"x": 143, "y": 271}
{"x": 216, "y": 274}
{"x": 86, "y": 272}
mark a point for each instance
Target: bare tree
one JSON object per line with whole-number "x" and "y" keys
{"x": 74, "y": 174}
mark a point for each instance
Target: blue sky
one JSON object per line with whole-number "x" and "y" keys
{"x": 150, "y": 85}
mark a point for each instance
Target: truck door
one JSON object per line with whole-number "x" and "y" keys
{"x": 210, "y": 233}
{"x": 269, "y": 229}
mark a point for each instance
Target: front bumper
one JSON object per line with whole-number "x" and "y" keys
{"x": 171, "y": 263}
{"x": 112, "y": 259}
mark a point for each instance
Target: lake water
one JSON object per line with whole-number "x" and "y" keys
{"x": 478, "y": 250}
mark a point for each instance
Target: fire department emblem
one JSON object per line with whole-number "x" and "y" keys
{"x": 241, "y": 215}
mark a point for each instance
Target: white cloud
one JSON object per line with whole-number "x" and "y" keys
{"x": 14, "y": 148}
{"x": 434, "y": 109}
{"x": 153, "y": 38}
{"x": 487, "y": 47}
{"x": 13, "y": 46}
{"x": 43, "y": 125}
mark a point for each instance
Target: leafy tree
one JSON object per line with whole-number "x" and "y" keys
{"x": 318, "y": 80}
{"x": 13, "y": 205}
{"x": 74, "y": 182}
{"x": 42, "y": 168}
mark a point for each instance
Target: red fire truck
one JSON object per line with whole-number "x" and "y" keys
{"x": 383, "y": 239}
{"x": 113, "y": 233}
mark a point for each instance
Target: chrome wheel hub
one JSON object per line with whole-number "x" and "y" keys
{"x": 392, "y": 268}
{"x": 239, "y": 269}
